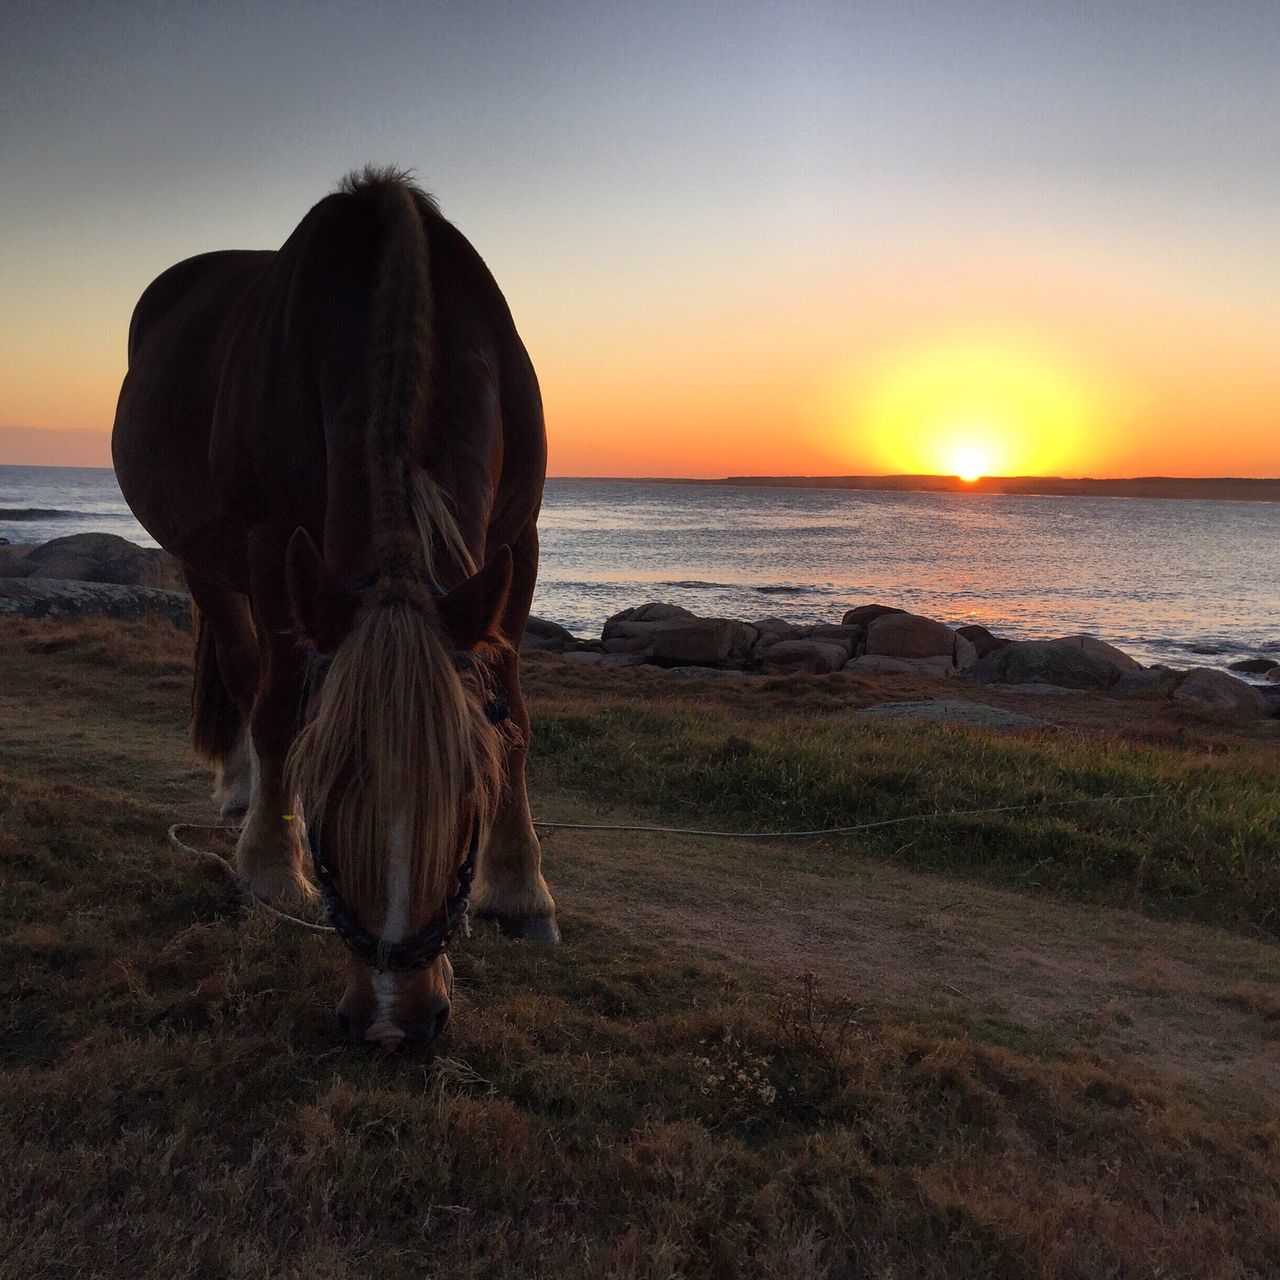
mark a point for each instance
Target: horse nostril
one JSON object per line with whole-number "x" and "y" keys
{"x": 441, "y": 1018}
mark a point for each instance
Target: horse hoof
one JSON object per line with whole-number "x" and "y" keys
{"x": 529, "y": 928}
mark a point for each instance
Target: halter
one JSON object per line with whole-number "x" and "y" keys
{"x": 426, "y": 947}
{"x": 393, "y": 957}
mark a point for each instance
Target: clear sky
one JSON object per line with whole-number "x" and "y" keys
{"x": 845, "y": 237}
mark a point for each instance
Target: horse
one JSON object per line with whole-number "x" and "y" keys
{"x": 342, "y": 443}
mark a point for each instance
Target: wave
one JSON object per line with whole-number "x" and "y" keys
{"x": 41, "y": 513}
{"x": 692, "y": 583}
{"x": 795, "y": 589}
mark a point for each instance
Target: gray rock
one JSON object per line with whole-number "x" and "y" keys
{"x": 907, "y": 635}
{"x": 1254, "y": 666}
{"x": 1216, "y": 691}
{"x": 57, "y": 598}
{"x": 653, "y": 612}
{"x": 590, "y": 658}
{"x": 865, "y": 614}
{"x": 952, "y": 711}
{"x": 816, "y": 657}
{"x": 1120, "y": 660}
{"x": 982, "y": 640}
{"x": 627, "y": 644}
{"x": 1045, "y": 662}
{"x": 546, "y": 637}
{"x": 104, "y": 557}
{"x": 697, "y": 642}
{"x": 1273, "y": 676}
{"x": 877, "y": 664}
{"x": 13, "y": 561}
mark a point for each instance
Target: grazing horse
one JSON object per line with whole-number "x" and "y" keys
{"x": 342, "y": 443}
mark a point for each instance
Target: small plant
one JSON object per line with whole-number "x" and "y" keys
{"x": 822, "y": 1032}
{"x": 733, "y": 1075}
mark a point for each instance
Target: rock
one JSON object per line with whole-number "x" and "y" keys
{"x": 1254, "y": 666}
{"x": 546, "y": 637}
{"x": 105, "y": 557}
{"x": 1273, "y": 676}
{"x": 952, "y": 711}
{"x": 876, "y": 664}
{"x": 771, "y": 629}
{"x": 699, "y": 641}
{"x": 850, "y": 636}
{"x": 60, "y": 598}
{"x": 1045, "y": 662}
{"x": 653, "y": 612}
{"x": 1216, "y": 691}
{"x": 1148, "y": 682}
{"x": 589, "y": 658}
{"x": 1120, "y": 660}
{"x": 627, "y": 644}
{"x": 907, "y": 635}
{"x": 13, "y": 561}
{"x": 814, "y": 656}
{"x": 865, "y": 614}
{"x": 982, "y": 640}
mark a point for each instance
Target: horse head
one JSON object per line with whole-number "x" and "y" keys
{"x": 398, "y": 768}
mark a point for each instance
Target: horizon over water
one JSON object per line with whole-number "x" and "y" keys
{"x": 1186, "y": 582}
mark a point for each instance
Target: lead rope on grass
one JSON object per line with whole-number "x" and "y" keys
{"x": 247, "y": 892}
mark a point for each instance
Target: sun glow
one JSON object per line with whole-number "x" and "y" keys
{"x": 970, "y": 409}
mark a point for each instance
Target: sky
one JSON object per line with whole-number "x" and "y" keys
{"x": 811, "y": 238}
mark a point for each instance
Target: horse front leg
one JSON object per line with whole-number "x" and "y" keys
{"x": 269, "y": 854}
{"x": 509, "y": 887}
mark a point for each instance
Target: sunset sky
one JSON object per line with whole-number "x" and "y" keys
{"x": 750, "y": 238}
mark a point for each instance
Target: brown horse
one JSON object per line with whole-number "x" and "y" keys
{"x": 332, "y": 438}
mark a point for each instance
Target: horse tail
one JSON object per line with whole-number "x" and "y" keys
{"x": 216, "y": 723}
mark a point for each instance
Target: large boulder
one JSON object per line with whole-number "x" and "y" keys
{"x": 865, "y": 614}
{"x": 699, "y": 642}
{"x": 104, "y": 557}
{"x": 621, "y": 624}
{"x": 982, "y": 639}
{"x": 907, "y": 635}
{"x": 1120, "y": 660}
{"x": 541, "y": 636}
{"x": 1210, "y": 690}
{"x": 60, "y": 598}
{"x": 816, "y": 657}
{"x": 1045, "y": 662}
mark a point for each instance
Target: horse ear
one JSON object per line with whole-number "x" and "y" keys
{"x": 471, "y": 611}
{"x": 321, "y": 610}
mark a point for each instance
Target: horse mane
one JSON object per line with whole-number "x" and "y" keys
{"x": 400, "y": 760}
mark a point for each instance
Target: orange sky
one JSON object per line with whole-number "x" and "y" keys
{"x": 833, "y": 239}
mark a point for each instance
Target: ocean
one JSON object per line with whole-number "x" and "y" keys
{"x": 1173, "y": 581}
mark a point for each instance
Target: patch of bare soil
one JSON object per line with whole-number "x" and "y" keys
{"x": 1194, "y": 1003}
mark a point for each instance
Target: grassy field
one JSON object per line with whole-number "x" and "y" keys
{"x": 1038, "y": 1044}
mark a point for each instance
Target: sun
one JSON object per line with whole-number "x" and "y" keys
{"x": 968, "y": 407}
{"x": 969, "y": 460}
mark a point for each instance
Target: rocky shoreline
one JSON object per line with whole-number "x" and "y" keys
{"x": 99, "y": 574}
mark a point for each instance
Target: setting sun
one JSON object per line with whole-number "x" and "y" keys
{"x": 973, "y": 407}
{"x": 969, "y": 461}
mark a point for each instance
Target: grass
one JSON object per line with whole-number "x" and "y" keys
{"x": 1204, "y": 848}
{"x": 174, "y": 1100}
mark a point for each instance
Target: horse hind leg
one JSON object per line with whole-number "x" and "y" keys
{"x": 224, "y": 639}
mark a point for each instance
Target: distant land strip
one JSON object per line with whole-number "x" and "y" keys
{"x": 1221, "y": 489}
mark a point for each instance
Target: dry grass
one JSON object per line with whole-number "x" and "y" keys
{"x": 175, "y": 1101}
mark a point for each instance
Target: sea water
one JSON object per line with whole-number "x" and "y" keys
{"x": 1181, "y": 582}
